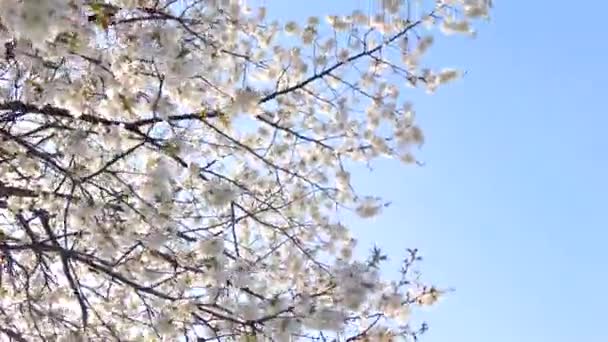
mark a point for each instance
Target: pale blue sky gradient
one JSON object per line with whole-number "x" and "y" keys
{"x": 510, "y": 209}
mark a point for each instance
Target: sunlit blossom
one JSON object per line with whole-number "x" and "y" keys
{"x": 182, "y": 170}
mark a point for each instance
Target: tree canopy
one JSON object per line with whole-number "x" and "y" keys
{"x": 179, "y": 170}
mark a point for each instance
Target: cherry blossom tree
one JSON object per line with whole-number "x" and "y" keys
{"x": 180, "y": 170}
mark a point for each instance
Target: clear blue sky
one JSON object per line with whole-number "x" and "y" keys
{"x": 511, "y": 208}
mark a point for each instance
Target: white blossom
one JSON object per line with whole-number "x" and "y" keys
{"x": 326, "y": 319}
{"x": 212, "y": 247}
{"x": 219, "y": 194}
{"x": 369, "y": 207}
{"x": 245, "y": 101}
{"x": 477, "y": 8}
{"x": 450, "y": 27}
{"x": 156, "y": 239}
{"x": 77, "y": 143}
{"x": 448, "y": 75}
{"x": 292, "y": 27}
{"x": 429, "y": 297}
{"x": 164, "y": 325}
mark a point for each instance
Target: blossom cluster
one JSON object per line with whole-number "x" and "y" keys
{"x": 182, "y": 169}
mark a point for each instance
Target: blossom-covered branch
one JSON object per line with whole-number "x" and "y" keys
{"x": 182, "y": 169}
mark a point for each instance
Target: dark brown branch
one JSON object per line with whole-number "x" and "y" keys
{"x": 339, "y": 64}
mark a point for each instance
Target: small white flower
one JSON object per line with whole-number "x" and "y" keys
{"x": 241, "y": 276}
{"x": 429, "y": 297}
{"x": 219, "y": 195}
{"x": 164, "y": 325}
{"x": 261, "y": 13}
{"x": 77, "y": 143}
{"x": 113, "y": 138}
{"x": 212, "y": 247}
{"x": 156, "y": 240}
{"x": 343, "y": 55}
{"x": 346, "y": 252}
{"x": 313, "y": 21}
{"x": 249, "y": 311}
{"x": 292, "y": 27}
{"x": 151, "y": 275}
{"x": 308, "y": 35}
{"x": 448, "y": 75}
{"x": 326, "y": 319}
{"x": 354, "y": 298}
{"x": 360, "y": 18}
{"x": 477, "y": 8}
{"x": 392, "y": 6}
{"x": 72, "y": 337}
{"x": 423, "y": 45}
{"x": 449, "y": 27}
{"x": 245, "y": 100}
{"x": 369, "y": 208}
{"x": 107, "y": 250}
